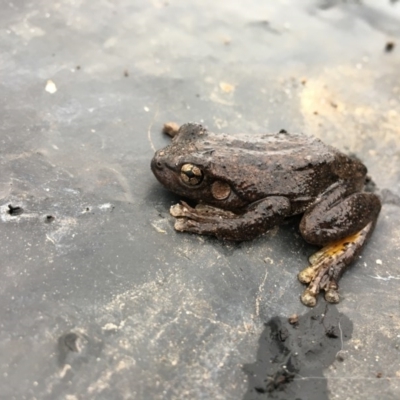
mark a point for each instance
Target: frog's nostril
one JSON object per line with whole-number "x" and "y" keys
{"x": 156, "y": 163}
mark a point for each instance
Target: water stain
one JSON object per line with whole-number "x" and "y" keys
{"x": 293, "y": 353}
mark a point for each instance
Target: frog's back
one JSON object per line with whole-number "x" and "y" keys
{"x": 272, "y": 153}
{"x": 292, "y": 165}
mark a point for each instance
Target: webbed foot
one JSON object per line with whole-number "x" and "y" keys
{"x": 327, "y": 266}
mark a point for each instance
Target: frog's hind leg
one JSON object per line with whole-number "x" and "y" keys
{"x": 341, "y": 222}
{"x": 329, "y": 263}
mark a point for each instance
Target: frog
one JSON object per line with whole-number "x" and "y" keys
{"x": 243, "y": 185}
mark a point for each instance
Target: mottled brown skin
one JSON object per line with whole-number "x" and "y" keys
{"x": 248, "y": 183}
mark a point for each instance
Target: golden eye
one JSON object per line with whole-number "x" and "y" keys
{"x": 191, "y": 174}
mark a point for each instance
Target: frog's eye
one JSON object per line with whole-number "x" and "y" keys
{"x": 191, "y": 174}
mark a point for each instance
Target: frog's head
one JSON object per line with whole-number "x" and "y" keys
{"x": 190, "y": 167}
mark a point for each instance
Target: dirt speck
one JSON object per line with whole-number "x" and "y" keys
{"x": 14, "y": 211}
{"x": 293, "y": 319}
{"x": 389, "y": 47}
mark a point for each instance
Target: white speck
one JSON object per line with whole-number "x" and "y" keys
{"x": 72, "y": 191}
{"x": 110, "y": 42}
{"x": 379, "y": 262}
{"x": 147, "y": 109}
{"x": 91, "y": 110}
{"x": 65, "y": 369}
{"x": 47, "y": 15}
{"x": 286, "y": 25}
{"x": 105, "y": 206}
{"x": 109, "y": 327}
{"x": 51, "y": 87}
{"x": 365, "y": 264}
{"x": 359, "y": 66}
{"x": 93, "y": 130}
{"x": 55, "y": 147}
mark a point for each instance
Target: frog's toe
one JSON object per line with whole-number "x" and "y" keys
{"x": 185, "y": 225}
{"x": 178, "y": 210}
{"x": 308, "y": 298}
{"x": 192, "y": 226}
{"x": 332, "y": 296}
{"x": 180, "y": 224}
{"x": 308, "y": 274}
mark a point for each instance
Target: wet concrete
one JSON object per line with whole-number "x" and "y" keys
{"x": 100, "y": 297}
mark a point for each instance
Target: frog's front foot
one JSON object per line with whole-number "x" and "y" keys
{"x": 226, "y": 225}
{"x": 202, "y": 219}
{"x": 327, "y": 266}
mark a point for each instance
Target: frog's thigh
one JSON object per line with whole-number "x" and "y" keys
{"x": 325, "y": 223}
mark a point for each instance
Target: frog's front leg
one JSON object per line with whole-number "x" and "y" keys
{"x": 256, "y": 219}
{"x": 342, "y": 225}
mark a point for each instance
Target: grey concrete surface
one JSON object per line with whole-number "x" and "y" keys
{"x": 107, "y": 301}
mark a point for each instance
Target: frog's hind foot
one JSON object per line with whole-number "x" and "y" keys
{"x": 328, "y": 264}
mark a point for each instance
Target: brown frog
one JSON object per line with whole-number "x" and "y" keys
{"x": 245, "y": 184}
